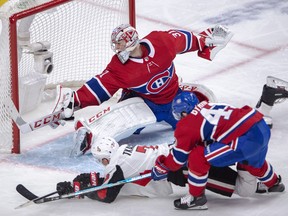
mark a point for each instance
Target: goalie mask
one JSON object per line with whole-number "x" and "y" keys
{"x": 104, "y": 148}
{"x": 183, "y": 103}
{"x": 124, "y": 33}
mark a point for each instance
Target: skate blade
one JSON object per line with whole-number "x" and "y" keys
{"x": 275, "y": 82}
{"x": 203, "y": 207}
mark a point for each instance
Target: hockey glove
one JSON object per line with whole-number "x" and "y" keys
{"x": 159, "y": 171}
{"x": 178, "y": 177}
{"x": 80, "y": 182}
{"x": 86, "y": 180}
{"x": 66, "y": 100}
{"x": 64, "y": 188}
{"x": 212, "y": 40}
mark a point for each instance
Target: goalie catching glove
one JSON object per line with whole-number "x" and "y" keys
{"x": 212, "y": 40}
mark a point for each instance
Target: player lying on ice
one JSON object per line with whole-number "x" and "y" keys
{"x": 125, "y": 161}
{"x": 144, "y": 68}
{"x": 215, "y": 134}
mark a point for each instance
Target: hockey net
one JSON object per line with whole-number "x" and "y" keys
{"x": 48, "y": 42}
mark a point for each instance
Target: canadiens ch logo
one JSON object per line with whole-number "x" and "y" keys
{"x": 160, "y": 81}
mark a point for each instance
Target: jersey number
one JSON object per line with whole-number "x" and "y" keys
{"x": 143, "y": 149}
{"x": 213, "y": 116}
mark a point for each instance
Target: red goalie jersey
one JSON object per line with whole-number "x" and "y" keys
{"x": 152, "y": 77}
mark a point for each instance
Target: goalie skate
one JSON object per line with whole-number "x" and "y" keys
{"x": 274, "y": 91}
{"x": 277, "y": 83}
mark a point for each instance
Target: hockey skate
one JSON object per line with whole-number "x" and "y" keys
{"x": 278, "y": 187}
{"x": 274, "y": 91}
{"x": 191, "y": 203}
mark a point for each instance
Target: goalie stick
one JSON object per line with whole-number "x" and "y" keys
{"x": 56, "y": 117}
{"x": 33, "y": 199}
{"x": 26, "y": 127}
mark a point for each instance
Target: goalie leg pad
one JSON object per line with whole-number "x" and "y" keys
{"x": 117, "y": 121}
{"x": 201, "y": 91}
{"x": 246, "y": 184}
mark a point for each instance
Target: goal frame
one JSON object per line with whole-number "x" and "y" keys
{"x": 14, "y": 55}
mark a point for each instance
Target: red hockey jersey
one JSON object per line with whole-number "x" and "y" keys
{"x": 152, "y": 76}
{"x": 210, "y": 122}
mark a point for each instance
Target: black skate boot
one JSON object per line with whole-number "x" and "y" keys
{"x": 277, "y": 187}
{"x": 190, "y": 202}
{"x": 274, "y": 91}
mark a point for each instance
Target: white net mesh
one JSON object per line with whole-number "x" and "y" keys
{"x": 5, "y": 89}
{"x": 78, "y": 33}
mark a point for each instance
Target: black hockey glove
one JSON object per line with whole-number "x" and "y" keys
{"x": 86, "y": 180}
{"x": 83, "y": 179}
{"x": 64, "y": 188}
{"x": 178, "y": 177}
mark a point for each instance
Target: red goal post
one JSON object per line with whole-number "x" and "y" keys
{"x": 48, "y": 42}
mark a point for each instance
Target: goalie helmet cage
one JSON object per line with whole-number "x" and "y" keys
{"x": 78, "y": 33}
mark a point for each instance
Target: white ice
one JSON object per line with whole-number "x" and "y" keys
{"x": 259, "y": 48}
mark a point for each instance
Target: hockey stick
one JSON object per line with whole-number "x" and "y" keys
{"x": 21, "y": 189}
{"x": 26, "y": 127}
{"x": 46, "y": 198}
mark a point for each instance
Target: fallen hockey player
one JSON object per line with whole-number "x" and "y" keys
{"x": 125, "y": 161}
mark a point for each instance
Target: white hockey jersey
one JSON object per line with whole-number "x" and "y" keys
{"x": 136, "y": 160}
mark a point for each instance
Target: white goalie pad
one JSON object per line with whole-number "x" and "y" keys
{"x": 122, "y": 119}
{"x": 246, "y": 184}
{"x": 118, "y": 121}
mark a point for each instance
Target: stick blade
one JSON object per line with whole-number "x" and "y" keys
{"x": 21, "y": 189}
